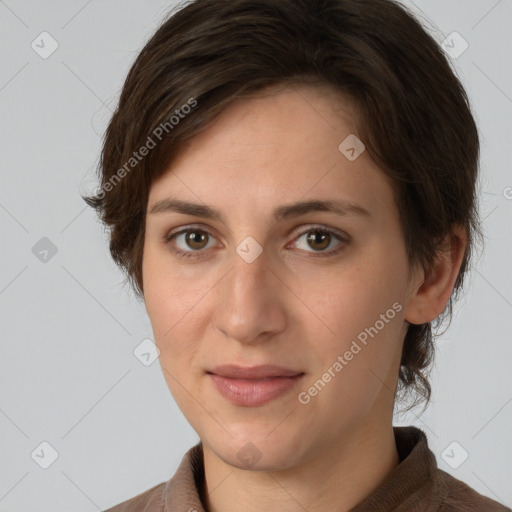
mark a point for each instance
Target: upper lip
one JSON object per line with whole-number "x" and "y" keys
{"x": 253, "y": 372}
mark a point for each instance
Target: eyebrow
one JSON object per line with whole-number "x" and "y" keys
{"x": 337, "y": 206}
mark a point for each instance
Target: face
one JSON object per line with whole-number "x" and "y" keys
{"x": 277, "y": 301}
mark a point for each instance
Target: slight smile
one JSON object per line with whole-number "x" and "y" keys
{"x": 253, "y": 386}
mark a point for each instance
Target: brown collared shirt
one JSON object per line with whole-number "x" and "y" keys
{"x": 415, "y": 485}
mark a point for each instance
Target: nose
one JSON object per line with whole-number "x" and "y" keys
{"x": 250, "y": 302}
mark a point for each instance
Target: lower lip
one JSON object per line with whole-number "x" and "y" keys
{"x": 253, "y": 392}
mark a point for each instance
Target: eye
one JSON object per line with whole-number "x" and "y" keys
{"x": 190, "y": 241}
{"x": 320, "y": 240}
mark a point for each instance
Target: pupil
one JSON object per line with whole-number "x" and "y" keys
{"x": 319, "y": 237}
{"x": 195, "y": 239}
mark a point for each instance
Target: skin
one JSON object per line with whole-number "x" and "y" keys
{"x": 291, "y": 306}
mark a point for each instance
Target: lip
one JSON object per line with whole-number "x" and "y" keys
{"x": 253, "y": 386}
{"x": 253, "y": 372}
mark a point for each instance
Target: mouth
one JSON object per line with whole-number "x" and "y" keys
{"x": 253, "y": 386}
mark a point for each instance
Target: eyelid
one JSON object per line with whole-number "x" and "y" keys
{"x": 189, "y": 227}
{"x": 299, "y": 231}
{"x": 321, "y": 227}
{"x": 170, "y": 236}
{"x": 342, "y": 237}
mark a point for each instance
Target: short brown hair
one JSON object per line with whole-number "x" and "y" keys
{"x": 415, "y": 118}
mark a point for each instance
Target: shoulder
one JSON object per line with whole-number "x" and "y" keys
{"x": 457, "y": 496}
{"x": 418, "y": 484}
{"x": 179, "y": 493}
{"x": 151, "y": 500}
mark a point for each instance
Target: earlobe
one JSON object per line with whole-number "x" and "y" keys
{"x": 433, "y": 291}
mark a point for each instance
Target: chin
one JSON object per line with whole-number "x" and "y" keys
{"x": 253, "y": 449}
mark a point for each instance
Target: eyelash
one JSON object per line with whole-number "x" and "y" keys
{"x": 343, "y": 239}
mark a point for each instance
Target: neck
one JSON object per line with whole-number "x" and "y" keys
{"x": 337, "y": 477}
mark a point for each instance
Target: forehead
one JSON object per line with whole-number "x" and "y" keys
{"x": 281, "y": 115}
{"x": 280, "y": 141}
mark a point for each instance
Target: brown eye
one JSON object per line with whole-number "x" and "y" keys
{"x": 321, "y": 241}
{"x": 191, "y": 242}
{"x": 196, "y": 239}
{"x": 318, "y": 240}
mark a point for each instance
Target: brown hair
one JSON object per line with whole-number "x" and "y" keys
{"x": 415, "y": 118}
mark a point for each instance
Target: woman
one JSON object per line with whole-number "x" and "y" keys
{"x": 290, "y": 188}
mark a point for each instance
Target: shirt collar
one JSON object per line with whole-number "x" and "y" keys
{"x": 408, "y": 483}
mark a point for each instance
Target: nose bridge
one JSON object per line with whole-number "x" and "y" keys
{"x": 248, "y": 304}
{"x": 249, "y": 273}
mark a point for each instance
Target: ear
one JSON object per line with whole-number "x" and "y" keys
{"x": 432, "y": 288}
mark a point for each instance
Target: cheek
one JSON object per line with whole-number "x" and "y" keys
{"x": 170, "y": 301}
{"x": 171, "y": 290}
{"x": 353, "y": 297}
{"x": 358, "y": 361}
{"x": 360, "y": 305}
{"x": 170, "y": 311}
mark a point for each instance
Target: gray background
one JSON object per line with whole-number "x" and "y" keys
{"x": 68, "y": 373}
